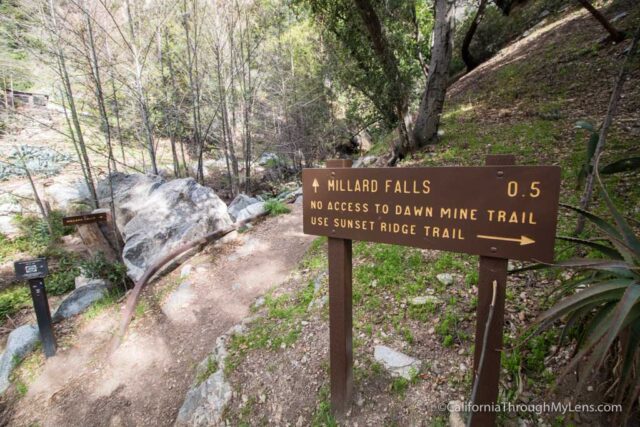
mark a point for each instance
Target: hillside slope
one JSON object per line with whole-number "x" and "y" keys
{"x": 524, "y": 101}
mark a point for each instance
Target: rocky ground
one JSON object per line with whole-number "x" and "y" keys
{"x": 176, "y": 326}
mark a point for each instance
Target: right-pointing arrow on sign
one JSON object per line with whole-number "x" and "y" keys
{"x": 523, "y": 240}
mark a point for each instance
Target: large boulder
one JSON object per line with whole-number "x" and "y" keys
{"x": 130, "y": 194}
{"x": 251, "y": 212}
{"x": 155, "y": 217}
{"x": 241, "y": 202}
{"x": 67, "y": 195}
{"x": 20, "y": 342}
{"x": 80, "y": 299}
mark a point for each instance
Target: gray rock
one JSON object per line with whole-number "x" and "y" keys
{"x": 266, "y": 157}
{"x": 251, "y": 212}
{"x": 20, "y": 342}
{"x": 365, "y": 161}
{"x": 155, "y": 216}
{"x": 424, "y": 299}
{"x": 130, "y": 194}
{"x": 455, "y": 413}
{"x": 185, "y": 270}
{"x": 241, "y": 202}
{"x": 205, "y": 402}
{"x": 445, "y": 278}
{"x": 80, "y": 299}
{"x": 8, "y": 226}
{"x": 298, "y": 200}
{"x": 618, "y": 17}
{"x": 81, "y": 281}
{"x": 64, "y": 195}
{"x": 398, "y": 364}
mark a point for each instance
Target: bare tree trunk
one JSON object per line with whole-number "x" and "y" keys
{"x": 432, "y": 102}
{"x": 116, "y": 106}
{"x": 72, "y": 106}
{"x": 192, "y": 59}
{"x": 169, "y": 104}
{"x": 95, "y": 71}
{"x": 611, "y": 110}
{"x": 140, "y": 93}
{"x": 232, "y": 161}
{"x": 616, "y": 36}
{"x": 36, "y": 196}
{"x": 468, "y": 59}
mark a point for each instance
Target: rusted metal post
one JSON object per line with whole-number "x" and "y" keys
{"x": 340, "y": 318}
{"x": 490, "y": 269}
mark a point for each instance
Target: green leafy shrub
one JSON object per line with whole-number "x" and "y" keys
{"x": 99, "y": 267}
{"x": 601, "y": 305}
{"x": 36, "y": 237}
{"x": 13, "y": 300}
{"x": 275, "y": 207}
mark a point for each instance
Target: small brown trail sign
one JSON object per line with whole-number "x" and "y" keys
{"x": 85, "y": 218}
{"x": 497, "y": 211}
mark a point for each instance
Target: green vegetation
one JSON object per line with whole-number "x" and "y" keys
{"x": 322, "y": 416}
{"x": 279, "y": 328}
{"x": 275, "y": 207}
{"x": 210, "y": 368}
{"x": 37, "y": 240}
{"x": 602, "y": 302}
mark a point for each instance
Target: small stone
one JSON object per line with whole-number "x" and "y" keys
{"x": 424, "y": 299}
{"x": 461, "y": 351}
{"x": 431, "y": 330}
{"x": 259, "y": 302}
{"x": 398, "y": 364}
{"x": 590, "y": 388}
{"x": 463, "y": 367}
{"x": 262, "y": 398}
{"x": 184, "y": 272}
{"x": 445, "y": 278}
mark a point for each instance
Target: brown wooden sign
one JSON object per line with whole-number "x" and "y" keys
{"x": 84, "y": 218}
{"x": 496, "y": 211}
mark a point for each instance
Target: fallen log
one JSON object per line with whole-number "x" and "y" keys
{"x": 132, "y": 300}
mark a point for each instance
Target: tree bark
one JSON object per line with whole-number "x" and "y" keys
{"x": 468, "y": 59}
{"x": 616, "y": 36}
{"x": 385, "y": 54}
{"x": 432, "y": 102}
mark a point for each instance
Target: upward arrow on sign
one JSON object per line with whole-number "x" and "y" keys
{"x": 315, "y": 185}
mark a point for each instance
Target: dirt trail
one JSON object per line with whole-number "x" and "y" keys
{"x": 145, "y": 380}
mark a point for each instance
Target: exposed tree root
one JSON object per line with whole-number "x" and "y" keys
{"x": 133, "y": 297}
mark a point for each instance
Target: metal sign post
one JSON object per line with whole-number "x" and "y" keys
{"x": 499, "y": 211}
{"x": 34, "y": 271}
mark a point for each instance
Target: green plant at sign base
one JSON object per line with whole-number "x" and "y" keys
{"x": 276, "y": 207}
{"x": 601, "y": 305}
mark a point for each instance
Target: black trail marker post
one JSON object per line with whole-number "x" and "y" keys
{"x": 499, "y": 211}
{"x": 34, "y": 272}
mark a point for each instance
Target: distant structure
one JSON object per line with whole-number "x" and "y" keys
{"x": 16, "y": 98}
